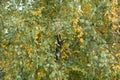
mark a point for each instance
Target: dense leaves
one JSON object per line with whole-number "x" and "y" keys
{"x": 59, "y": 40}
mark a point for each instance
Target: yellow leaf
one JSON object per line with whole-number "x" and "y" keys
{"x": 118, "y": 54}
{"x": 81, "y": 40}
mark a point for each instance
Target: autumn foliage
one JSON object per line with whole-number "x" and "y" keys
{"x": 60, "y": 40}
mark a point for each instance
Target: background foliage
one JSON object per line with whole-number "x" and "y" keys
{"x": 90, "y": 35}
